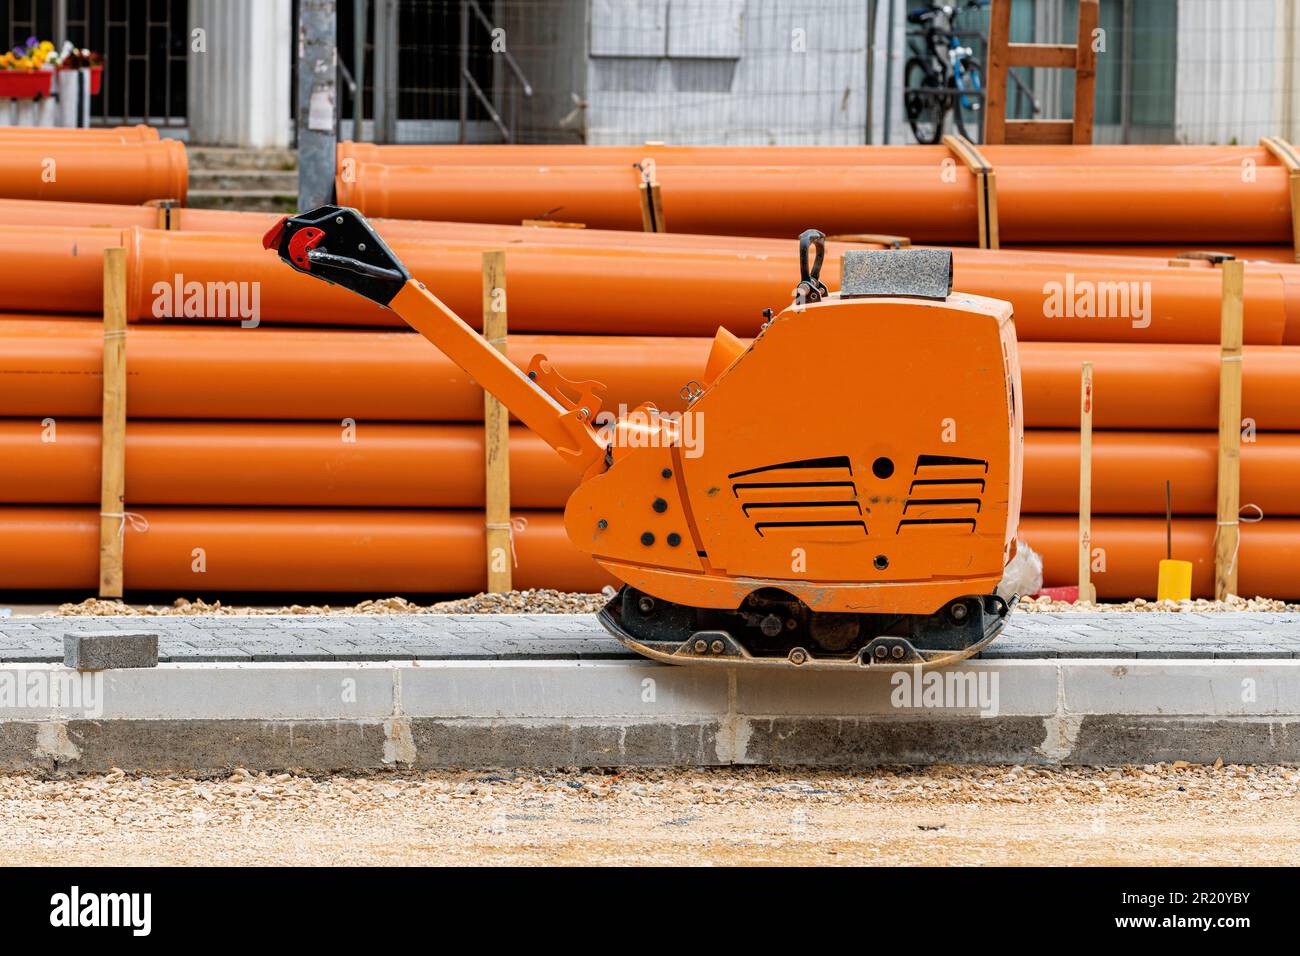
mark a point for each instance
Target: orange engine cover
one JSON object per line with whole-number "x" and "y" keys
{"x": 863, "y": 454}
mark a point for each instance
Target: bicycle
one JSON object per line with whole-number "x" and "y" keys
{"x": 943, "y": 75}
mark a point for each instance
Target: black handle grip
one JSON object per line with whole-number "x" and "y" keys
{"x": 336, "y": 244}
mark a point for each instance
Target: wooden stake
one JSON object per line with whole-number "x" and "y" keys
{"x": 986, "y": 188}
{"x": 1086, "y": 591}
{"x": 165, "y": 213}
{"x": 1287, "y": 156}
{"x": 496, "y": 435}
{"x": 652, "y": 208}
{"x": 112, "y": 495}
{"x": 1228, "y": 538}
{"x": 888, "y": 240}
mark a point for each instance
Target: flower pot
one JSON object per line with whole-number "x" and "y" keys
{"x": 25, "y": 84}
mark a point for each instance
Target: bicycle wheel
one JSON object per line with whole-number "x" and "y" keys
{"x": 968, "y": 110}
{"x": 924, "y": 109}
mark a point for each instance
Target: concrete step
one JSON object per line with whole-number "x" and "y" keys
{"x": 234, "y": 157}
{"x": 403, "y": 714}
{"x": 246, "y": 200}
{"x": 243, "y": 179}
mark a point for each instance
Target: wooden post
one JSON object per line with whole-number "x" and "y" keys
{"x": 1228, "y": 535}
{"x": 1085, "y": 73}
{"x": 496, "y": 435}
{"x": 986, "y": 188}
{"x": 112, "y": 496}
{"x": 1003, "y": 56}
{"x": 652, "y": 208}
{"x": 1287, "y": 156}
{"x": 995, "y": 79}
{"x": 165, "y": 213}
{"x": 887, "y": 240}
{"x": 1086, "y": 591}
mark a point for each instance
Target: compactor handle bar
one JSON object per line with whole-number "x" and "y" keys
{"x": 337, "y": 245}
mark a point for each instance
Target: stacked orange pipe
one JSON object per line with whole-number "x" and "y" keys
{"x": 383, "y": 551}
{"x": 999, "y": 156}
{"x": 51, "y": 366}
{"x": 668, "y": 291}
{"x": 371, "y": 464}
{"x": 81, "y": 171}
{"x": 92, "y": 135}
{"x": 240, "y": 436}
{"x": 287, "y": 464}
{"x": 1045, "y": 194}
{"x": 376, "y": 551}
{"x": 1131, "y": 549}
{"x": 26, "y": 212}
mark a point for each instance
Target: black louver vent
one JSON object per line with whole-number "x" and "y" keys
{"x": 945, "y": 491}
{"x": 801, "y": 496}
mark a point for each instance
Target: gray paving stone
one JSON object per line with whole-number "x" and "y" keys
{"x": 540, "y": 636}
{"x": 105, "y": 650}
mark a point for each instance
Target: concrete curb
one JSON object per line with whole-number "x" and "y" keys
{"x": 329, "y": 716}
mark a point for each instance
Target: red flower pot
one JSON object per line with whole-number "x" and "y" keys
{"x": 25, "y": 84}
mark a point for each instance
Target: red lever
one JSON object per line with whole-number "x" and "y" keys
{"x": 303, "y": 241}
{"x": 272, "y": 238}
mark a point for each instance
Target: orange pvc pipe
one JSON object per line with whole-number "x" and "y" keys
{"x": 376, "y": 551}
{"x": 51, "y": 366}
{"x": 386, "y": 551}
{"x": 56, "y": 269}
{"x": 42, "y": 214}
{"x": 1185, "y": 204}
{"x": 30, "y": 212}
{"x": 1167, "y": 386}
{"x": 1132, "y": 548}
{"x": 27, "y": 213}
{"x": 289, "y": 464}
{"x": 93, "y": 135}
{"x": 107, "y": 172}
{"x": 998, "y": 156}
{"x": 1129, "y": 470}
{"x": 690, "y": 292}
{"x": 441, "y": 466}
{"x": 1281, "y": 254}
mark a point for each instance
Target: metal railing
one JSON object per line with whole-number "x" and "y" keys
{"x": 468, "y": 84}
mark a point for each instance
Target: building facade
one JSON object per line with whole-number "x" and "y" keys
{"x": 686, "y": 71}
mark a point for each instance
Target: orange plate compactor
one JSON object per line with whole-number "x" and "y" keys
{"x": 843, "y": 492}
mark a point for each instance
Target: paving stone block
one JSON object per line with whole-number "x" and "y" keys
{"x": 107, "y": 650}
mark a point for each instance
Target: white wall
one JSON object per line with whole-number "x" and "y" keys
{"x": 239, "y": 86}
{"x": 727, "y": 72}
{"x": 1231, "y": 58}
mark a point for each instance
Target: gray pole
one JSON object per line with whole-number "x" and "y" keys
{"x": 872, "y": 8}
{"x": 359, "y": 67}
{"x": 317, "y": 103}
{"x": 889, "y": 70}
{"x": 61, "y": 24}
{"x": 464, "y": 68}
{"x": 385, "y": 71}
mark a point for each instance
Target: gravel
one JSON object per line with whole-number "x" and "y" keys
{"x": 539, "y": 601}
{"x": 1142, "y": 605}
{"x": 543, "y": 601}
{"x": 1158, "y": 814}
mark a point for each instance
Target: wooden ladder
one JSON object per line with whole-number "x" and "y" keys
{"x": 1004, "y": 55}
